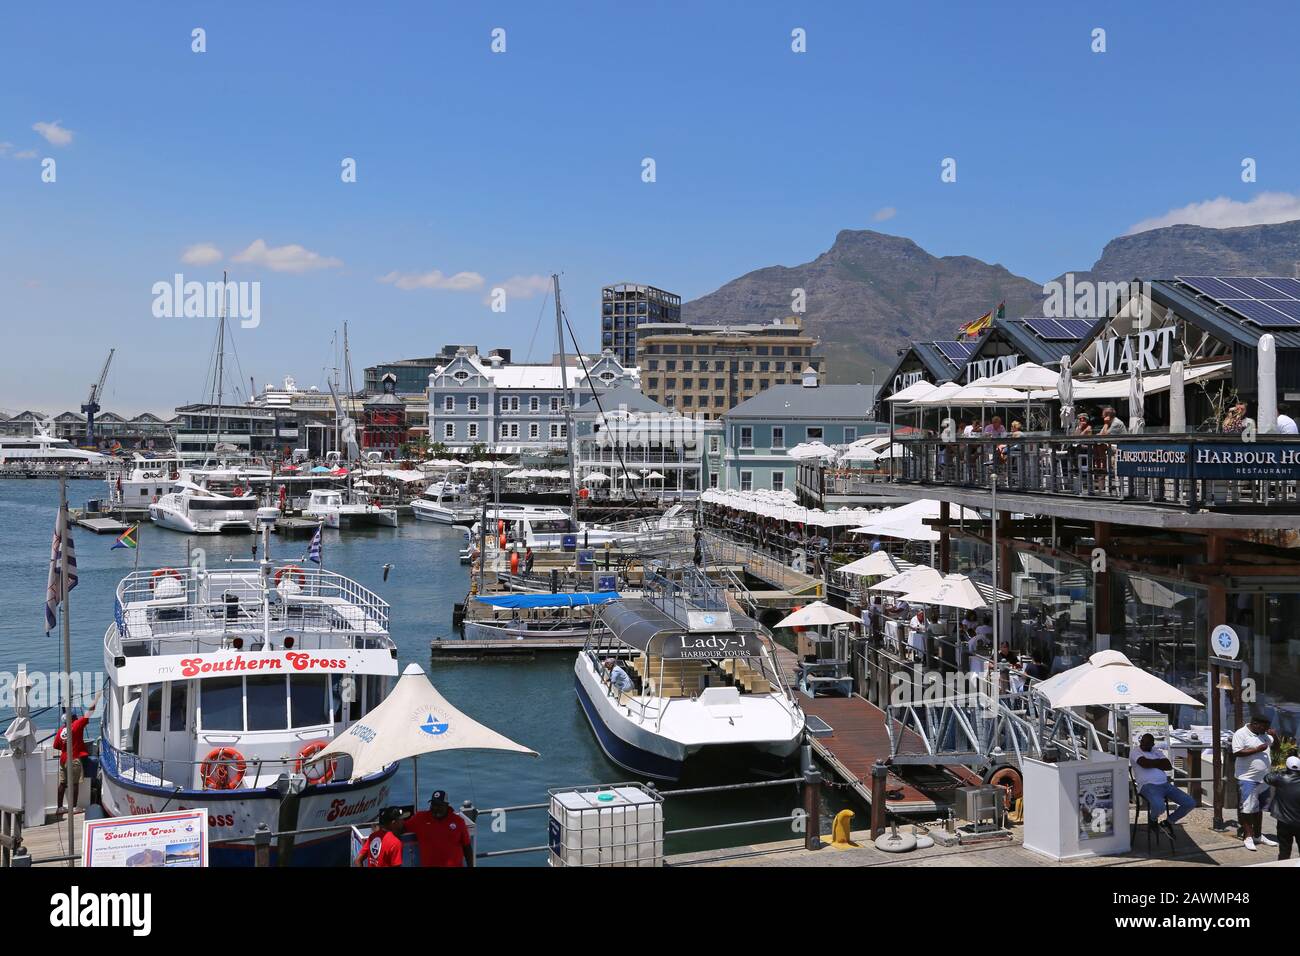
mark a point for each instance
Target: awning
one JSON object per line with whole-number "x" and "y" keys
{"x": 639, "y": 624}
{"x": 574, "y": 599}
{"x": 1152, "y": 383}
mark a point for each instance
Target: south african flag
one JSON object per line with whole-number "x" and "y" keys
{"x": 127, "y": 539}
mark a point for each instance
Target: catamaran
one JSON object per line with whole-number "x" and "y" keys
{"x": 222, "y": 685}
{"x": 706, "y": 681}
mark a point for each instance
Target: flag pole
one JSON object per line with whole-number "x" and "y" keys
{"x": 62, "y": 525}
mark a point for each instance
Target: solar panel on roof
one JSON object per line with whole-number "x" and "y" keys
{"x": 1057, "y": 330}
{"x": 1077, "y": 328}
{"x": 956, "y": 352}
{"x": 1270, "y": 302}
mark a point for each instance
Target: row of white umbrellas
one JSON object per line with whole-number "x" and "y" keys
{"x": 557, "y": 473}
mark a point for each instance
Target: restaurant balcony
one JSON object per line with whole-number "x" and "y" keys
{"x": 1174, "y": 480}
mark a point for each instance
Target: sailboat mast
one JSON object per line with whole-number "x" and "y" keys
{"x": 568, "y": 403}
{"x": 221, "y": 356}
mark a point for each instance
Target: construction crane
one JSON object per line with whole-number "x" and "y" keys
{"x": 92, "y": 403}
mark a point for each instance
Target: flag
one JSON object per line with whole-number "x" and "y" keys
{"x": 313, "y": 550}
{"x": 55, "y": 588}
{"x": 1002, "y": 310}
{"x": 978, "y": 325}
{"x": 126, "y": 539}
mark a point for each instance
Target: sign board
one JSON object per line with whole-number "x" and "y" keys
{"x": 1096, "y": 801}
{"x": 1236, "y": 462}
{"x": 179, "y": 838}
{"x": 606, "y": 582}
{"x": 1224, "y": 642}
{"x": 988, "y": 367}
{"x": 1155, "y": 724}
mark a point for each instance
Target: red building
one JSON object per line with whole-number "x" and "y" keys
{"x": 383, "y": 421}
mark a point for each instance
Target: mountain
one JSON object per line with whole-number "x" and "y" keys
{"x": 871, "y": 294}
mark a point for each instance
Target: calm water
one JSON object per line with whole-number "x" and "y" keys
{"x": 529, "y": 701}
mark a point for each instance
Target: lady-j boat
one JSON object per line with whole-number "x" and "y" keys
{"x": 706, "y": 682}
{"x": 222, "y": 684}
{"x": 525, "y": 615}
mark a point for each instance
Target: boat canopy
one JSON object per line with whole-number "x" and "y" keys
{"x": 643, "y": 626}
{"x": 571, "y": 599}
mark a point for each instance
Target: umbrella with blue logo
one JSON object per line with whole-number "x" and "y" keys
{"x": 414, "y": 719}
{"x": 1108, "y": 678}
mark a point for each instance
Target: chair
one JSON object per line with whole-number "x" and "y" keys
{"x": 1139, "y": 801}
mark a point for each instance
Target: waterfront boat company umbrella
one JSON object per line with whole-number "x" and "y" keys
{"x": 1065, "y": 392}
{"x": 1136, "y": 402}
{"x": 1108, "y": 677}
{"x": 954, "y": 590}
{"x": 909, "y": 580}
{"x": 414, "y": 719}
{"x": 1177, "y": 400}
{"x": 816, "y": 614}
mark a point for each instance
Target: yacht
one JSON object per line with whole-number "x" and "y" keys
{"x": 707, "y": 685}
{"x": 445, "y": 502}
{"x": 143, "y": 479}
{"x": 336, "y": 508}
{"x": 194, "y": 509}
{"x": 222, "y": 685}
{"x": 44, "y": 448}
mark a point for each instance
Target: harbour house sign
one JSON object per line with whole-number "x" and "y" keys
{"x": 1230, "y": 461}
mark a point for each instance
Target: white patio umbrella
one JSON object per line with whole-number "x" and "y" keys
{"x": 1065, "y": 392}
{"x": 595, "y": 478}
{"x": 655, "y": 476}
{"x": 816, "y": 614}
{"x": 414, "y": 719}
{"x": 1136, "y": 402}
{"x": 1108, "y": 677}
{"x": 1177, "y": 400}
{"x": 909, "y": 580}
{"x": 954, "y": 590}
{"x": 876, "y": 564}
{"x": 811, "y": 449}
{"x": 904, "y": 527}
{"x": 1266, "y": 381}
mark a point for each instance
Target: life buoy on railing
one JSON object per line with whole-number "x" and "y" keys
{"x": 320, "y": 772}
{"x": 162, "y": 573}
{"x": 501, "y": 526}
{"x": 222, "y": 769}
{"x": 175, "y": 475}
{"x": 292, "y": 569}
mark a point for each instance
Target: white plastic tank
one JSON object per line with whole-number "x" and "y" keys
{"x": 620, "y": 825}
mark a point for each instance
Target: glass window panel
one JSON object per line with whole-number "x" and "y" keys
{"x": 221, "y": 702}
{"x": 266, "y": 703}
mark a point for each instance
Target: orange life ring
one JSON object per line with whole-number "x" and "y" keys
{"x": 514, "y": 562}
{"x": 324, "y": 771}
{"x": 222, "y": 769}
{"x": 501, "y": 526}
{"x": 1008, "y": 778}
{"x": 162, "y": 573}
{"x": 293, "y": 569}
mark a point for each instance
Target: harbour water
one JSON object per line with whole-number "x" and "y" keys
{"x": 531, "y": 701}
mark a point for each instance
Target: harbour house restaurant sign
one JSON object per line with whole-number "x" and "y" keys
{"x": 1247, "y": 461}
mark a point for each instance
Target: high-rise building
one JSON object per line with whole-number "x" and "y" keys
{"x": 625, "y": 307}
{"x": 707, "y": 370}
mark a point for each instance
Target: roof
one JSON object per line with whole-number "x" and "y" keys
{"x": 802, "y": 402}
{"x": 1215, "y": 317}
{"x": 1034, "y": 348}
{"x": 625, "y": 396}
{"x": 935, "y": 357}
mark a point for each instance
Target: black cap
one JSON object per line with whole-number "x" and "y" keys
{"x": 438, "y": 796}
{"x": 389, "y": 815}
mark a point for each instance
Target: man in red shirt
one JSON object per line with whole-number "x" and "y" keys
{"x": 442, "y": 833}
{"x": 79, "y": 752}
{"x": 384, "y": 848}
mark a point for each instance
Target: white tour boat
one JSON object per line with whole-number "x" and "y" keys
{"x": 336, "y": 509}
{"x": 707, "y": 682}
{"x": 143, "y": 480}
{"x": 222, "y": 684}
{"x": 193, "y": 509}
{"x": 44, "y": 448}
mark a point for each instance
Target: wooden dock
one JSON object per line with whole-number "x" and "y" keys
{"x": 858, "y": 739}
{"x": 48, "y": 844}
{"x": 101, "y": 525}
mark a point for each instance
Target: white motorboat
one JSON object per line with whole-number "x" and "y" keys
{"x": 193, "y": 509}
{"x": 44, "y": 448}
{"x": 445, "y": 502}
{"x": 222, "y": 684}
{"x": 336, "y": 509}
{"x": 531, "y": 616}
{"x": 706, "y": 682}
{"x": 143, "y": 480}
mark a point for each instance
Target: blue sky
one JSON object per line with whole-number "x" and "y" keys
{"x": 507, "y": 167}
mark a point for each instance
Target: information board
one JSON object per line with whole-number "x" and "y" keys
{"x": 179, "y": 838}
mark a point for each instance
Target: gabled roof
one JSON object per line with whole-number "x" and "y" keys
{"x": 1034, "y": 348}
{"x": 799, "y": 402}
{"x": 624, "y": 396}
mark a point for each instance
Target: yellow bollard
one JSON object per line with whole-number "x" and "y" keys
{"x": 842, "y": 831}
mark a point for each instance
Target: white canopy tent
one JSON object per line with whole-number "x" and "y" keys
{"x": 817, "y": 614}
{"x": 1108, "y": 678}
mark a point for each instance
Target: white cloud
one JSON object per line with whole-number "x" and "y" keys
{"x": 291, "y": 258}
{"x": 1224, "y": 213}
{"x": 525, "y": 287}
{"x": 884, "y": 213}
{"x": 201, "y": 254}
{"x": 460, "y": 282}
{"x": 54, "y": 134}
{"x": 26, "y": 154}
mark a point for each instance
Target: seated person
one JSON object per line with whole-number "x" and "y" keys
{"x": 618, "y": 678}
{"x": 1007, "y": 656}
{"x": 1151, "y": 767}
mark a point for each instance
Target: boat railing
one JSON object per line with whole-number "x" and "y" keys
{"x": 678, "y": 598}
{"x": 180, "y": 774}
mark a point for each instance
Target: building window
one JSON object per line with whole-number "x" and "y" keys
{"x": 558, "y": 430}
{"x": 555, "y": 403}
{"x": 814, "y": 433}
{"x": 534, "y": 403}
{"x": 460, "y": 375}
{"x": 449, "y": 404}
{"x": 850, "y": 434}
{"x": 715, "y": 444}
{"x": 778, "y": 436}
{"x": 510, "y": 403}
{"x": 746, "y": 481}
{"x": 509, "y": 429}
{"x": 534, "y": 431}
{"x": 713, "y": 479}
{"x": 473, "y": 403}
{"x": 778, "y": 481}
{"x": 449, "y": 430}
{"x": 746, "y": 436}
{"x": 473, "y": 430}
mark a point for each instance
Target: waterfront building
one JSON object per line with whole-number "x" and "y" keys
{"x": 933, "y": 362}
{"x": 641, "y": 444}
{"x": 253, "y": 430}
{"x": 145, "y": 430}
{"x": 513, "y": 408}
{"x": 706, "y": 370}
{"x": 760, "y": 432}
{"x": 625, "y": 307}
{"x": 1012, "y": 342}
{"x": 384, "y": 428}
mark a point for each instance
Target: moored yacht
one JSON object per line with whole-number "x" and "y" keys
{"x": 193, "y": 509}
{"x": 222, "y": 685}
{"x": 445, "y": 502}
{"x": 336, "y": 508}
{"x": 43, "y": 448}
{"x": 707, "y": 684}
{"x": 142, "y": 480}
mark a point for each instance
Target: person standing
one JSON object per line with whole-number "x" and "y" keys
{"x": 73, "y": 771}
{"x": 1250, "y": 747}
{"x": 1286, "y": 804}
{"x": 384, "y": 846}
{"x": 528, "y": 560}
{"x": 442, "y": 833}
